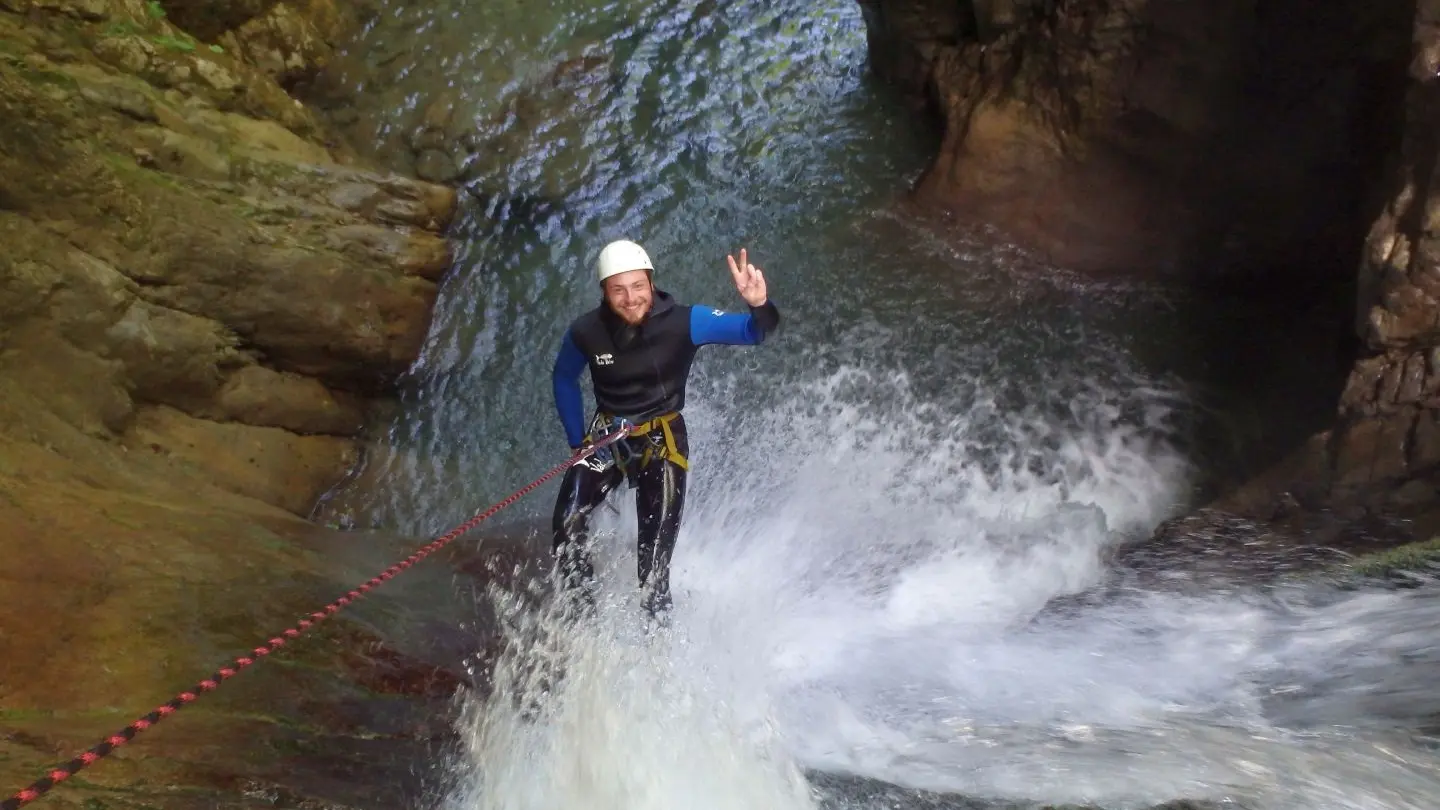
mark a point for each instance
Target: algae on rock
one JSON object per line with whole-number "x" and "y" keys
{"x": 200, "y": 292}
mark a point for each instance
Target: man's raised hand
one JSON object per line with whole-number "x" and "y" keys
{"x": 749, "y": 281}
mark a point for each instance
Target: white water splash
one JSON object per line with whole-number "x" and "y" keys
{"x": 633, "y": 724}
{"x": 859, "y": 589}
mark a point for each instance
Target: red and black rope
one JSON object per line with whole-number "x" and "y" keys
{"x": 59, "y": 774}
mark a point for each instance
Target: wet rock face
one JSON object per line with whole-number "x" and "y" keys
{"x": 1386, "y": 446}
{"x": 184, "y": 276}
{"x": 1128, "y": 134}
{"x": 200, "y": 295}
{"x": 1286, "y": 142}
{"x": 1289, "y": 141}
{"x": 1389, "y": 435}
{"x": 208, "y": 19}
{"x": 288, "y": 40}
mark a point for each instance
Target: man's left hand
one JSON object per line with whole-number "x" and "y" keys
{"x": 749, "y": 281}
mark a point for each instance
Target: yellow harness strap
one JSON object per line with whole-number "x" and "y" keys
{"x": 668, "y": 452}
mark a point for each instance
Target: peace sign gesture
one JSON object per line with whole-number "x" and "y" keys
{"x": 749, "y": 281}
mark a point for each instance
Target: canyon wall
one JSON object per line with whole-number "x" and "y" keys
{"x": 1281, "y": 144}
{"x": 201, "y": 293}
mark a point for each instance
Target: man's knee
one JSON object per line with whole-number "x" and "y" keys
{"x": 581, "y": 491}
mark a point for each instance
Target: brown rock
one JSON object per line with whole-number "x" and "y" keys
{"x": 1406, "y": 315}
{"x": 1362, "y": 388}
{"x": 130, "y": 54}
{"x": 312, "y": 313}
{"x": 1425, "y": 445}
{"x": 258, "y": 396}
{"x": 290, "y": 41}
{"x": 417, "y": 253}
{"x": 76, "y": 389}
{"x": 172, "y": 357}
{"x": 79, "y": 294}
{"x": 88, "y": 10}
{"x": 262, "y": 140}
{"x": 155, "y": 280}
{"x": 1410, "y": 385}
{"x": 152, "y": 477}
{"x": 169, "y": 59}
{"x": 437, "y": 166}
{"x": 309, "y": 308}
{"x": 382, "y": 198}
{"x": 1125, "y": 134}
{"x": 208, "y": 19}
{"x": 121, "y": 96}
{"x": 270, "y": 465}
{"x": 1299, "y": 481}
{"x": 116, "y": 575}
{"x": 174, "y": 153}
{"x": 1370, "y": 455}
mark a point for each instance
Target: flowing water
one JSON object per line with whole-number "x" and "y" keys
{"x": 885, "y": 498}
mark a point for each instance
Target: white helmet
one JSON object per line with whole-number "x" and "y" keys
{"x": 622, "y": 256}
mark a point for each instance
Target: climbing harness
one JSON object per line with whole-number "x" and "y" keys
{"x": 59, "y": 774}
{"x": 661, "y": 447}
{"x": 667, "y": 450}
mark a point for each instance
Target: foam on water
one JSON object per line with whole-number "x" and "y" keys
{"x": 633, "y": 724}
{"x": 860, "y": 583}
{"x": 867, "y": 555}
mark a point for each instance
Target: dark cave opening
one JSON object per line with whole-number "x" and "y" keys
{"x": 1238, "y": 149}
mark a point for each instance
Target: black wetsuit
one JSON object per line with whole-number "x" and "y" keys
{"x": 639, "y": 374}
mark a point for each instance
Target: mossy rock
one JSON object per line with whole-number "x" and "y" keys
{"x": 1409, "y": 559}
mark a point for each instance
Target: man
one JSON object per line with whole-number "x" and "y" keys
{"x": 639, "y": 345}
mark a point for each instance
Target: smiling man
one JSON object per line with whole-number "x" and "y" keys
{"x": 639, "y": 345}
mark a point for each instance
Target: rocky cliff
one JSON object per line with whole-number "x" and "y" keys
{"x": 200, "y": 293}
{"x": 1281, "y": 143}
{"x": 1150, "y": 134}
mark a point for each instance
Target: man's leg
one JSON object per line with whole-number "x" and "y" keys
{"x": 659, "y": 504}
{"x": 583, "y": 488}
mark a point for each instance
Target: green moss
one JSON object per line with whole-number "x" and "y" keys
{"x": 127, "y": 168}
{"x": 51, "y": 78}
{"x": 33, "y": 715}
{"x": 177, "y": 41}
{"x": 1409, "y": 557}
{"x": 12, "y": 48}
{"x": 174, "y": 43}
{"x": 123, "y": 28}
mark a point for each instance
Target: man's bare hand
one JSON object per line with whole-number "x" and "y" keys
{"x": 749, "y": 281}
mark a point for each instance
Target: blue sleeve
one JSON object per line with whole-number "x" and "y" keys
{"x": 709, "y": 325}
{"x": 565, "y": 379}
